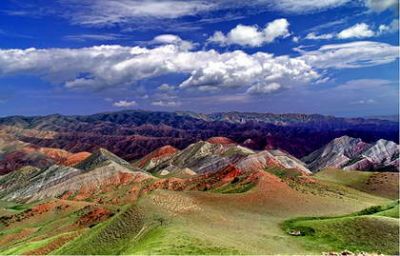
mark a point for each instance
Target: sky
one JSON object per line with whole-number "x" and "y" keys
{"x": 333, "y": 57}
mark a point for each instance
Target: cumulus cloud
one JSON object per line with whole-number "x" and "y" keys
{"x": 252, "y": 35}
{"x": 124, "y": 103}
{"x": 113, "y": 65}
{"x": 235, "y": 69}
{"x": 172, "y": 39}
{"x": 263, "y": 88}
{"x": 360, "y": 30}
{"x": 110, "y": 66}
{"x": 167, "y": 39}
{"x": 351, "y": 55}
{"x": 381, "y": 5}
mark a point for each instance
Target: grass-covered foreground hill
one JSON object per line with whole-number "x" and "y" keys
{"x": 209, "y": 222}
{"x": 374, "y": 229}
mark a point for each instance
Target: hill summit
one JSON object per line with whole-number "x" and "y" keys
{"x": 354, "y": 154}
{"x": 99, "y": 158}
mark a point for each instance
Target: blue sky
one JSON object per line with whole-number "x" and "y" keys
{"x": 336, "y": 57}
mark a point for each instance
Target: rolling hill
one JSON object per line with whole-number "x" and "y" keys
{"x": 354, "y": 154}
{"x": 198, "y": 199}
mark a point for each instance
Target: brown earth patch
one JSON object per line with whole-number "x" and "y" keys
{"x": 9, "y": 238}
{"x": 53, "y": 245}
{"x": 384, "y": 184}
{"x": 159, "y": 153}
{"x": 220, "y": 140}
{"x": 94, "y": 216}
{"x": 76, "y": 158}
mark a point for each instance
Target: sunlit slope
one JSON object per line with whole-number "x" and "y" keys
{"x": 375, "y": 229}
{"x": 185, "y": 222}
{"x": 189, "y": 222}
{"x": 384, "y": 184}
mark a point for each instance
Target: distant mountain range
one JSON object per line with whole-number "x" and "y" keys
{"x": 394, "y": 118}
{"x": 217, "y": 157}
{"x": 133, "y": 134}
{"x": 354, "y": 154}
{"x": 203, "y": 165}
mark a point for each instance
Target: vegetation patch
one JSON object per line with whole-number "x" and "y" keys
{"x": 283, "y": 173}
{"x": 384, "y": 184}
{"x": 372, "y": 230}
{"x": 235, "y": 188}
{"x": 110, "y": 237}
{"x": 159, "y": 241}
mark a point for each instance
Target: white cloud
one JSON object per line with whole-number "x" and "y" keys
{"x": 167, "y": 39}
{"x": 224, "y": 98}
{"x": 110, "y": 66}
{"x": 172, "y": 39}
{"x": 297, "y": 6}
{"x": 313, "y": 36}
{"x": 93, "y": 37}
{"x": 162, "y": 103}
{"x": 360, "y": 30}
{"x": 235, "y": 69}
{"x": 241, "y": 35}
{"x": 108, "y": 12}
{"x": 364, "y": 102}
{"x": 263, "y": 88}
{"x": 165, "y": 87}
{"x": 252, "y": 35}
{"x": 351, "y": 55}
{"x": 365, "y": 85}
{"x": 391, "y": 28}
{"x": 124, "y": 104}
{"x": 381, "y": 5}
{"x": 275, "y": 29}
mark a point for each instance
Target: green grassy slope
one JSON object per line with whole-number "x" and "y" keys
{"x": 354, "y": 179}
{"x": 189, "y": 222}
{"x": 384, "y": 184}
{"x": 110, "y": 237}
{"x": 210, "y": 223}
{"x": 375, "y": 229}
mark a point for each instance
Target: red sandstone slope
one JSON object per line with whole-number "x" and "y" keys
{"x": 157, "y": 156}
{"x": 76, "y": 158}
{"x": 220, "y": 140}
